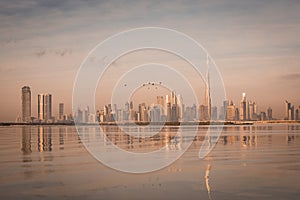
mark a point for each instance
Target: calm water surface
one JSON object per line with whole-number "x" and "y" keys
{"x": 248, "y": 162}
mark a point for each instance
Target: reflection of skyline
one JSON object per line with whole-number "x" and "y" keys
{"x": 168, "y": 137}
{"x": 207, "y": 171}
{"x": 44, "y": 139}
{"x": 26, "y": 140}
{"x": 249, "y": 136}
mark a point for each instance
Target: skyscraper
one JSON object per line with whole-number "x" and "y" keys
{"x": 243, "y": 108}
{"x": 61, "y": 111}
{"x": 203, "y": 113}
{"x": 161, "y": 103}
{"x": 180, "y": 107}
{"x": 26, "y": 104}
{"x": 207, "y": 90}
{"x": 214, "y": 113}
{"x": 44, "y": 107}
{"x": 160, "y": 100}
{"x": 287, "y": 109}
{"x": 269, "y": 113}
{"x": 230, "y": 112}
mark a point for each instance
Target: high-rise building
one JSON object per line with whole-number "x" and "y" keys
{"x": 61, "y": 111}
{"x": 243, "y": 108}
{"x": 160, "y": 100}
{"x": 223, "y": 116}
{"x": 263, "y": 116}
{"x": 297, "y": 114}
{"x": 174, "y": 113}
{"x": 131, "y": 105}
{"x": 161, "y": 103}
{"x": 194, "y": 112}
{"x": 169, "y": 112}
{"x": 207, "y": 90}
{"x": 173, "y": 98}
{"x": 155, "y": 113}
{"x": 292, "y": 113}
{"x": 44, "y": 107}
{"x": 237, "y": 114}
{"x": 26, "y": 104}
{"x": 214, "y": 113}
{"x": 203, "y": 113}
{"x": 180, "y": 107}
{"x": 250, "y": 110}
{"x": 287, "y": 110}
{"x": 230, "y": 112}
{"x": 269, "y": 114}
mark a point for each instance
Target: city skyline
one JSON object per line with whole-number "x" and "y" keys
{"x": 255, "y": 45}
{"x": 167, "y": 108}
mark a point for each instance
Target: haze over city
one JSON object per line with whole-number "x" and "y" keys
{"x": 255, "y": 45}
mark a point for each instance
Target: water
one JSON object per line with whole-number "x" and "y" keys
{"x": 248, "y": 162}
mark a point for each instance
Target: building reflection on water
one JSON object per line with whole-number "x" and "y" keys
{"x": 41, "y": 143}
{"x": 26, "y": 140}
{"x": 173, "y": 137}
{"x": 207, "y": 171}
{"x": 36, "y": 137}
{"x": 44, "y": 138}
{"x": 170, "y": 137}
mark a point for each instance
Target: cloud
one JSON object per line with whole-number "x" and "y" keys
{"x": 291, "y": 76}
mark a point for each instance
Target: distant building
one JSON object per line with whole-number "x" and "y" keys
{"x": 292, "y": 113}
{"x": 44, "y": 107}
{"x": 287, "y": 110}
{"x": 214, "y": 113}
{"x": 61, "y": 111}
{"x": 154, "y": 113}
{"x": 297, "y": 114}
{"x": 169, "y": 112}
{"x": 223, "y": 115}
{"x": 243, "y": 108}
{"x": 174, "y": 113}
{"x": 237, "y": 114}
{"x": 230, "y": 112}
{"x": 79, "y": 117}
{"x": 26, "y": 104}
{"x": 269, "y": 114}
{"x": 263, "y": 116}
{"x": 207, "y": 92}
{"x": 161, "y": 103}
{"x": 251, "y": 110}
{"x": 180, "y": 108}
{"x": 203, "y": 113}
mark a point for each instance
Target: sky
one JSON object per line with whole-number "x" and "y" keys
{"x": 255, "y": 44}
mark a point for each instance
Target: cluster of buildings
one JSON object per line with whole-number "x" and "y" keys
{"x": 290, "y": 112}
{"x": 44, "y": 106}
{"x": 168, "y": 108}
{"x": 245, "y": 111}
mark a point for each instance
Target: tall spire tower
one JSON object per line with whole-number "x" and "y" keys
{"x": 207, "y": 89}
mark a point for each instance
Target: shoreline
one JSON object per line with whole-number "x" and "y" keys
{"x": 200, "y": 123}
